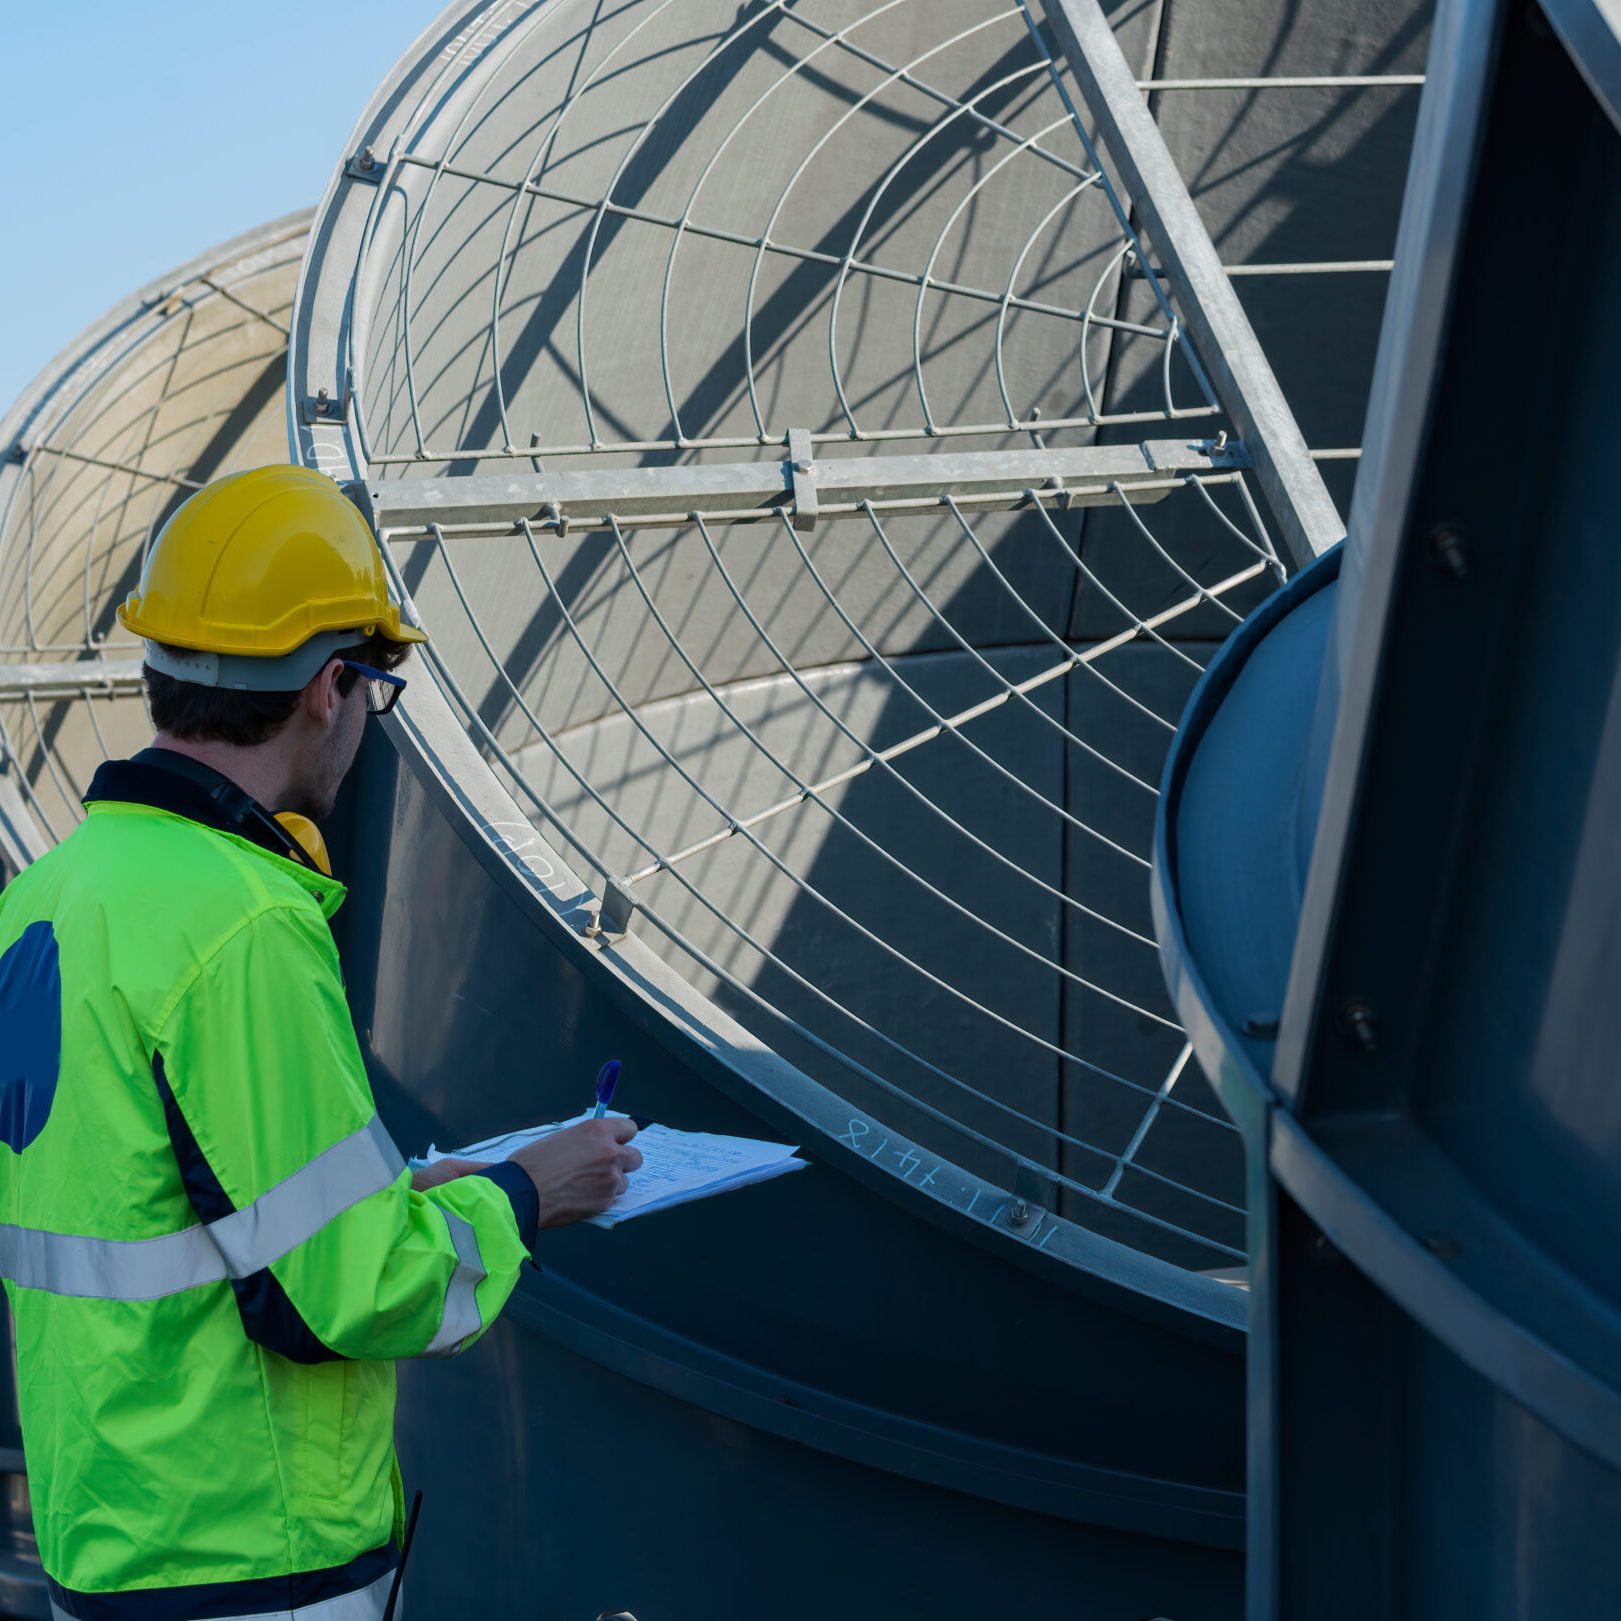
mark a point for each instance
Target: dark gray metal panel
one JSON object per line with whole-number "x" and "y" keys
{"x": 1446, "y": 1143}
{"x": 1475, "y": 946}
{"x": 657, "y": 1505}
{"x": 1430, "y": 1492}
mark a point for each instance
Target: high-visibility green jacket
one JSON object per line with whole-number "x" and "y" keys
{"x": 211, "y": 1247}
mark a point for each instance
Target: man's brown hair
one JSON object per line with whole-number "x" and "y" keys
{"x": 200, "y": 714}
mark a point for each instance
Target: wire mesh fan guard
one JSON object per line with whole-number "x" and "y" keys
{"x": 862, "y": 737}
{"x": 181, "y": 383}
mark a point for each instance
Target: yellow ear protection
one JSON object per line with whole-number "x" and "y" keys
{"x": 307, "y": 835}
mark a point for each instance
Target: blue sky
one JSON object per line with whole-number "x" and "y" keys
{"x": 138, "y": 134}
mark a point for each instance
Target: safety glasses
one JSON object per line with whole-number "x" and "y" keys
{"x": 382, "y": 688}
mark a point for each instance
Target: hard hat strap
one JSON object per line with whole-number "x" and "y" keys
{"x": 238, "y": 672}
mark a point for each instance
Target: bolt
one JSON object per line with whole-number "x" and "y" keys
{"x": 804, "y": 467}
{"x": 368, "y": 159}
{"x": 1356, "y": 1020}
{"x": 1019, "y": 1214}
{"x": 1445, "y": 546}
{"x": 1321, "y": 1252}
{"x": 1262, "y": 1025}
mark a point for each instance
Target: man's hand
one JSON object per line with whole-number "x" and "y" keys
{"x": 582, "y": 1170}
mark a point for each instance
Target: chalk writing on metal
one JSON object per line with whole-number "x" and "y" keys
{"x": 858, "y": 1130}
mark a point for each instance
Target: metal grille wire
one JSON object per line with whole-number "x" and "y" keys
{"x": 573, "y": 222}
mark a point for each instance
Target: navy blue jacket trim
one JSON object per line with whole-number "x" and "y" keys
{"x": 177, "y": 783}
{"x": 514, "y": 1181}
{"x": 269, "y": 1318}
{"x": 207, "y": 1601}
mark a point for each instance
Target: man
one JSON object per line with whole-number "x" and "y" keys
{"x": 211, "y": 1247}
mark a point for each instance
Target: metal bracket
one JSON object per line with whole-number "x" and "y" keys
{"x": 365, "y": 165}
{"x": 612, "y": 919}
{"x": 1033, "y": 1196}
{"x": 75, "y": 678}
{"x": 323, "y": 408}
{"x": 617, "y": 906}
{"x": 1090, "y": 475}
{"x": 802, "y": 469}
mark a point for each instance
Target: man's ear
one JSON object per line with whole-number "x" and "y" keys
{"x": 321, "y": 695}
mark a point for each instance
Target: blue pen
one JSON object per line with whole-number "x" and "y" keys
{"x": 606, "y": 1076}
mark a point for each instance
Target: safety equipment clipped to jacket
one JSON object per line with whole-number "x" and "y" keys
{"x": 212, "y": 1249}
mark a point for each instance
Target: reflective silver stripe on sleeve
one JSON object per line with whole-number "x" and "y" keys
{"x": 300, "y": 1205}
{"x": 461, "y": 1298}
{"x": 236, "y": 1246}
{"x": 367, "y": 1604}
{"x": 110, "y": 1268}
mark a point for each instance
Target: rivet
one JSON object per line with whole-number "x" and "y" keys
{"x": 1357, "y": 1021}
{"x": 1446, "y": 550}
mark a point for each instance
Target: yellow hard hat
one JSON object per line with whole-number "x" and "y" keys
{"x": 255, "y": 564}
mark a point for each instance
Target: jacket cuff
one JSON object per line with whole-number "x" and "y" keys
{"x": 514, "y": 1182}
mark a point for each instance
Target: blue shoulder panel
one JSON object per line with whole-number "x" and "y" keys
{"x": 30, "y": 1034}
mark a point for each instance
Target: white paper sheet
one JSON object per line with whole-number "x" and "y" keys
{"x": 677, "y": 1166}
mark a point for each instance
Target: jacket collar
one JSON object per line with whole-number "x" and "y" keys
{"x": 176, "y": 783}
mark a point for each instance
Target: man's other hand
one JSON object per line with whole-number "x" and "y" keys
{"x": 580, "y": 1171}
